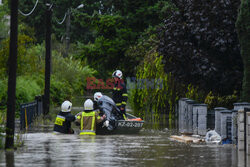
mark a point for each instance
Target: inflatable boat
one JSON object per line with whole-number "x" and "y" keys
{"x": 132, "y": 125}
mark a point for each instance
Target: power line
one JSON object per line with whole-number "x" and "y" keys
{"x": 62, "y": 20}
{"x": 30, "y": 11}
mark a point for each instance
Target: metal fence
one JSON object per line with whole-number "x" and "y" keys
{"x": 30, "y": 111}
{"x": 229, "y": 128}
{"x": 211, "y": 119}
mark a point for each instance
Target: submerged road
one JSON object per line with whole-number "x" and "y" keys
{"x": 149, "y": 148}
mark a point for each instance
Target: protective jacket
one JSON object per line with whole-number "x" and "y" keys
{"x": 88, "y": 121}
{"x": 120, "y": 95}
{"x": 63, "y": 122}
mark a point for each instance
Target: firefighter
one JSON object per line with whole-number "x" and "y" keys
{"x": 64, "y": 119}
{"x": 88, "y": 119}
{"x": 120, "y": 94}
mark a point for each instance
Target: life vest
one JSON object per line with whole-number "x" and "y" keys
{"x": 88, "y": 123}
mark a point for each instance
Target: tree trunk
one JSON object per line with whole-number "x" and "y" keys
{"x": 243, "y": 29}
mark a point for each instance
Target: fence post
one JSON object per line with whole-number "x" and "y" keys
{"x": 202, "y": 119}
{"x": 39, "y": 100}
{"x": 242, "y": 105}
{"x": 218, "y": 119}
{"x": 195, "y": 118}
{"x": 234, "y": 126}
{"x": 241, "y": 130}
{"x": 181, "y": 109}
{"x": 189, "y": 116}
{"x": 248, "y": 131}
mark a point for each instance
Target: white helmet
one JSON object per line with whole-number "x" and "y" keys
{"x": 117, "y": 74}
{"x": 88, "y": 105}
{"x": 97, "y": 96}
{"x": 66, "y": 106}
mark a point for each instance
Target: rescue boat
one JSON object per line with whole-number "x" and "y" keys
{"x": 132, "y": 125}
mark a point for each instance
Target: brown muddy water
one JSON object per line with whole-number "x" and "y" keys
{"x": 148, "y": 148}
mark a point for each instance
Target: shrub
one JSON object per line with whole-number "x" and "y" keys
{"x": 26, "y": 90}
{"x": 221, "y": 101}
{"x": 72, "y": 72}
{"x": 59, "y": 91}
{"x": 3, "y": 93}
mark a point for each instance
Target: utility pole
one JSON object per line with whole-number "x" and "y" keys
{"x": 68, "y": 25}
{"x": 68, "y": 31}
{"x": 46, "y": 103}
{"x": 12, "y": 63}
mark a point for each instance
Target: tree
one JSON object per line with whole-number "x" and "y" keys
{"x": 243, "y": 29}
{"x": 200, "y": 45}
{"x": 106, "y": 28}
{"x": 117, "y": 26}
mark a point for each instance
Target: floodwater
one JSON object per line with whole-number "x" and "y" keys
{"x": 148, "y": 148}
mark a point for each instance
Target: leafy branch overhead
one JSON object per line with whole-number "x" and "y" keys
{"x": 200, "y": 45}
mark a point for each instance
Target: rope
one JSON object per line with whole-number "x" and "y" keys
{"x": 30, "y": 11}
{"x": 62, "y": 20}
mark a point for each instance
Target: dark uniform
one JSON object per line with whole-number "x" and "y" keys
{"x": 120, "y": 96}
{"x": 63, "y": 122}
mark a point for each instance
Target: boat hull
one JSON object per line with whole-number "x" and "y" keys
{"x": 130, "y": 126}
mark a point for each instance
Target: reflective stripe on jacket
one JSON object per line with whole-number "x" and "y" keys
{"x": 63, "y": 122}
{"x": 120, "y": 95}
{"x": 88, "y": 121}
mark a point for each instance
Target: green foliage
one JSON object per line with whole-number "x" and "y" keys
{"x": 71, "y": 72}
{"x": 221, "y": 101}
{"x": 4, "y": 28}
{"x": 156, "y": 102}
{"x": 158, "y": 99}
{"x": 107, "y": 50}
{"x": 135, "y": 53}
{"x": 24, "y": 42}
{"x": 60, "y": 91}
{"x": 3, "y": 94}
{"x": 107, "y": 25}
{"x": 194, "y": 93}
{"x": 26, "y": 90}
{"x": 2, "y": 129}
